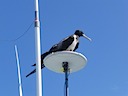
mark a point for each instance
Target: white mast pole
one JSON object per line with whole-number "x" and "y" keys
{"x": 38, "y": 51}
{"x": 18, "y": 67}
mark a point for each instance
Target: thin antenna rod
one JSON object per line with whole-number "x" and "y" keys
{"x": 38, "y": 51}
{"x": 19, "y": 76}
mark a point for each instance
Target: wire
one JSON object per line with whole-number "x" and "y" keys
{"x": 24, "y": 32}
{"x": 13, "y": 40}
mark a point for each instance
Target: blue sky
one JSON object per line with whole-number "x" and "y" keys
{"x": 105, "y": 21}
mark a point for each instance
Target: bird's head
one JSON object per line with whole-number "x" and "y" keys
{"x": 80, "y": 33}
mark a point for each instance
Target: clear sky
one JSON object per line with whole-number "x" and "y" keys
{"x": 105, "y": 21}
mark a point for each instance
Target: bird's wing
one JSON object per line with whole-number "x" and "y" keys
{"x": 54, "y": 48}
{"x": 62, "y": 45}
{"x": 67, "y": 42}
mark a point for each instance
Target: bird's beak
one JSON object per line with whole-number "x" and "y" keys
{"x": 87, "y": 37}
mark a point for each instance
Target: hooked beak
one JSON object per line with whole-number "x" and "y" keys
{"x": 87, "y": 37}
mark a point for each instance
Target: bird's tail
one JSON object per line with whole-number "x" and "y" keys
{"x": 31, "y": 73}
{"x": 42, "y": 65}
{"x": 42, "y": 57}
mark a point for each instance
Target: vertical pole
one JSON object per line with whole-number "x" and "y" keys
{"x": 18, "y": 67}
{"x": 66, "y": 83}
{"x": 38, "y": 51}
{"x": 65, "y": 66}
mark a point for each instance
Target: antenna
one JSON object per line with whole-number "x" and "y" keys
{"x": 18, "y": 67}
{"x": 65, "y": 62}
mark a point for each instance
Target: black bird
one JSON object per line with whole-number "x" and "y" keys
{"x": 68, "y": 44}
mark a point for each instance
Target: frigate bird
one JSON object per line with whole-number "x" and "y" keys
{"x": 68, "y": 44}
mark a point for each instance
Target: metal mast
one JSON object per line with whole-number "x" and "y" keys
{"x": 38, "y": 51}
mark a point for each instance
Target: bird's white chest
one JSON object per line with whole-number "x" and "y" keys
{"x": 74, "y": 43}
